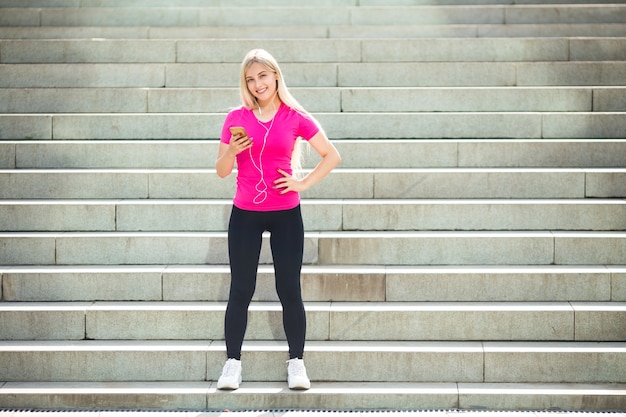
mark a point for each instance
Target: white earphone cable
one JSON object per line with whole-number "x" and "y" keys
{"x": 261, "y": 186}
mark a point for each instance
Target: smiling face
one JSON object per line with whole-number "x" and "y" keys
{"x": 261, "y": 83}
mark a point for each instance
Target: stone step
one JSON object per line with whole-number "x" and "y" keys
{"x": 451, "y": 74}
{"x": 319, "y": 283}
{"x": 399, "y": 248}
{"x": 251, "y": 3}
{"x": 324, "y": 15}
{"x": 314, "y": 50}
{"x": 320, "y": 215}
{"x": 188, "y": 3}
{"x": 123, "y": 281}
{"x": 487, "y": 31}
{"x": 321, "y": 248}
{"x": 318, "y": 75}
{"x": 420, "y": 361}
{"x": 487, "y": 183}
{"x": 326, "y": 321}
{"x": 373, "y": 397}
{"x": 362, "y": 153}
{"x": 356, "y": 74}
{"x": 320, "y": 31}
{"x": 469, "y": 125}
{"x": 324, "y": 99}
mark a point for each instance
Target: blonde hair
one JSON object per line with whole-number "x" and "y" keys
{"x": 264, "y": 58}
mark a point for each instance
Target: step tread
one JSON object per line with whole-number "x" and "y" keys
{"x": 372, "y": 306}
{"x": 326, "y": 269}
{"x": 339, "y": 170}
{"x": 374, "y": 397}
{"x": 349, "y": 234}
{"x": 313, "y": 201}
{"x": 313, "y": 346}
{"x": 176, "y": 4}
{"x": 319, "y": 306}
{"x": 84, "y": 387}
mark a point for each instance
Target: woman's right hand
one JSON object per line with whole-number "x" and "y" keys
{"x": 228, "y": 151}
{"x": 239, "y": 143}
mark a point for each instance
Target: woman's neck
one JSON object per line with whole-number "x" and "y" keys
{"x": 266, "y": 111}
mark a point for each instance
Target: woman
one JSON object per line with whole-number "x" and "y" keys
{"x": 262, "y": 137}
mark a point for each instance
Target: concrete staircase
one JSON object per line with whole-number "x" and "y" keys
{"x": 469, "y": 253}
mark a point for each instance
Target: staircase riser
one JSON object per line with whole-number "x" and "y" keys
{"x": 395, "y": 285}
{"x": 427, "y": 74}
{"x": 82, "y": 100}
{"x": 498, "y": 367}
{"x": 83, "y": 286}
{"x": 557, "y": 322}
{"x": 498, "y": 49}
{"x": 174, "y": 4}
{"x": 563, "y": 249}
{"x": 542, "y": 248}
{"x": 308, "y": 50}
{"x": 546, "y": 398}
{"x": 466, "y": 100}
{"x": 364, "y": 184}
{"x": 503, "y": 185}
{"x": 344, "y": 126}
{"x": 481, "y": 74}
{"x": 482, "y": 217}
{"x": 430, "y": 366}
{"x": 324, "y": 16}
{"x": 482, "y": 125}
{"x": 7, "y": 156}
{"x": 407, "y": 287}
{"x": 110, "y": 217}
{"x": 359, "y": 154}
{"x": 320, "y": 32}
{"x": 138, "y": 398}
{"x": 252, "y": 3}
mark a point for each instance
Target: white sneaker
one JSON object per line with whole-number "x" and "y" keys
{"x": 231, "y": 375}
{"x": 296, "y": 375}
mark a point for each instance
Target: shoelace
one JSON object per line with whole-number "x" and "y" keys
{"x": 230, "y": 368}
{"x": 296, "y": 367}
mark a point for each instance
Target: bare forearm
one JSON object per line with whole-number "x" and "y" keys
{"x": 321, "y": 170}
{"x": 224, "y": 164}
{"x": 225, "y": 160}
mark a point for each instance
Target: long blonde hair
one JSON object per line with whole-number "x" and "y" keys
{"x": 249, "y": 101}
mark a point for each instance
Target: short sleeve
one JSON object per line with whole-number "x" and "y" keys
{"x": 225, "y": 137}
{"x": 307, "y": 126}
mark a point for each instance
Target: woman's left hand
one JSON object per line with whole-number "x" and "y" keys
{"x": 288, "y": 183}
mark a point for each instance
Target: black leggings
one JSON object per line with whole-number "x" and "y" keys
{"x": 245, "y": 231}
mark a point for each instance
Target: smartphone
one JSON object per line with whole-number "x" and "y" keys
{"x": 238, "y": 130}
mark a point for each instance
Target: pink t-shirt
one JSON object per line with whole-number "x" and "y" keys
{"x": 273, "y": 144}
